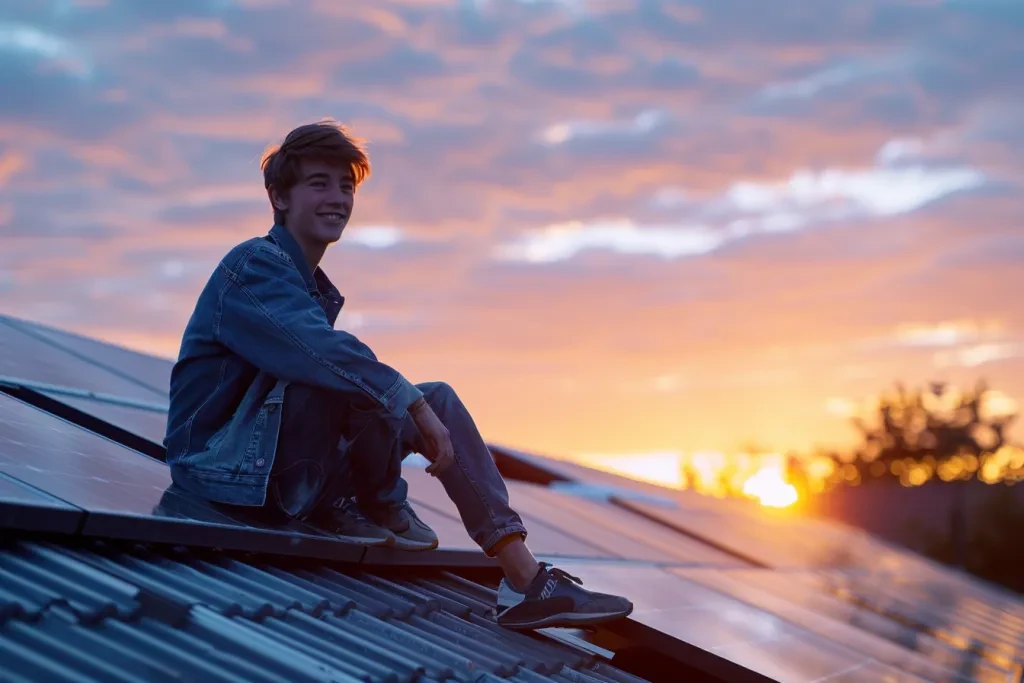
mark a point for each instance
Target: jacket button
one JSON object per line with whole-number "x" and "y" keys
{"x": 261, "y": 462}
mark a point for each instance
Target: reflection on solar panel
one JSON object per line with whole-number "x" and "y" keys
{"x": 792, "y": 597}
{"x": 734, "y": 630}
{"x": 152, "y": 372}
{"x": 779, "y": 538}
{"x": 955, "y": 612}
{"x": 722, "y": 587}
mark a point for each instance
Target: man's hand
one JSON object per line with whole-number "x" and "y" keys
{"x": 436, "y": 439}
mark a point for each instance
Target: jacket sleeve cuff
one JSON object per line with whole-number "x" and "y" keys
{"x": 400, "y": 396}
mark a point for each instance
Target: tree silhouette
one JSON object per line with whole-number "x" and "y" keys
{"x": 917, "y": 434}
{"x": 914, "y": 434}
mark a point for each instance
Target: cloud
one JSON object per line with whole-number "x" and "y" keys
{"x": 599, "y": 200}
{"x": 876, "y": 192}
{"x": 560, "y": 242}
{"x": 818, "y": 82}
{"x": 374, "y": 236}
{"x": 980, "y": 354}
{"x": 52, "y": 50}
{"x": 643, "y": 123}
{"x": 805, "y": 200}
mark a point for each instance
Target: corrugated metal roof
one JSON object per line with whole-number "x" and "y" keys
{"x": 108, "y": 613}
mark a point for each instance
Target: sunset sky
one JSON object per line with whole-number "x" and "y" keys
{"x": 615, "y": 227}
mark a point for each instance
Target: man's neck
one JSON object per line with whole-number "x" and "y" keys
{"x": 313, "y": 253}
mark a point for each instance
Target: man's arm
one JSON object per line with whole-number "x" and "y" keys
{"x": 267, "y": 317}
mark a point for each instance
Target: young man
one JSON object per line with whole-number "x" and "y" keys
{"x": 272, "y": 408}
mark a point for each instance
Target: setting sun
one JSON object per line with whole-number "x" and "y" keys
{"x": 770, "y": 488}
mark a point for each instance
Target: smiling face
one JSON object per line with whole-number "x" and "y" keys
{"x": 318, "y": 206}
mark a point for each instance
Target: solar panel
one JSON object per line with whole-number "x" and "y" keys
{"x": 427, "y": 492}
{"x": 151, "y": 371}
{"x": 939, "y": 604}
{"x": 26, "y": 508}
{"x": 614, "y": 530}
{"x": 779, "y": 538}
{"x": 740, "y": 633}
{"x": 570, "y": 472}
{"x": 25, "y": 357}
{"x": 786, "y": 595}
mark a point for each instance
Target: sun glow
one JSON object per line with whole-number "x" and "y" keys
{"x": 759, "y": 477}
{"x": 770, "y": 487}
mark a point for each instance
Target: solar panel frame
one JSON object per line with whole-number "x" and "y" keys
{"x": 26, "y": 508}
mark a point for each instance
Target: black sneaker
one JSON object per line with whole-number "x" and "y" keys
{"x": 348, "y": 523}
{"x": 556, "y": 598}
{"x": 411, "y": 532}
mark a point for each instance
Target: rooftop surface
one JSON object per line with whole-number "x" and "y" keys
{"x": 107, "y": 575}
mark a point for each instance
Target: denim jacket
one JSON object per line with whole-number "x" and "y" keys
{"x": 262, "y": 322}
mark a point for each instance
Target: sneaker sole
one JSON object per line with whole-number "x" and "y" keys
{"x": 372, "y": 542}
{"x": 568, "y": 620}
{"x": 414, "y": 546}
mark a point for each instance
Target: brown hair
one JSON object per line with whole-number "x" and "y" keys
{"x": 326, "y": 140}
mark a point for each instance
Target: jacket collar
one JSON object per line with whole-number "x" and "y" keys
{"x": 318, "y": 284}
{"x": 284, "y": 239}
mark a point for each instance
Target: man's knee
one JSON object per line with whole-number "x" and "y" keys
{"x": 438, "y": 393}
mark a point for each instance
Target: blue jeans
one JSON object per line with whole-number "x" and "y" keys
{"x": 329, "y": 447}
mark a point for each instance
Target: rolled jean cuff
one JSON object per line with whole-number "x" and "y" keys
{"x": 498, "y": 535}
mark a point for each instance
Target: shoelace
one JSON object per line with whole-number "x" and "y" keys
{"x": 348, "y": 506}
{"x": 560, "y": 573}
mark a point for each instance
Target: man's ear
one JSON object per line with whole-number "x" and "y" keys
{"x": 277, "y": 200}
